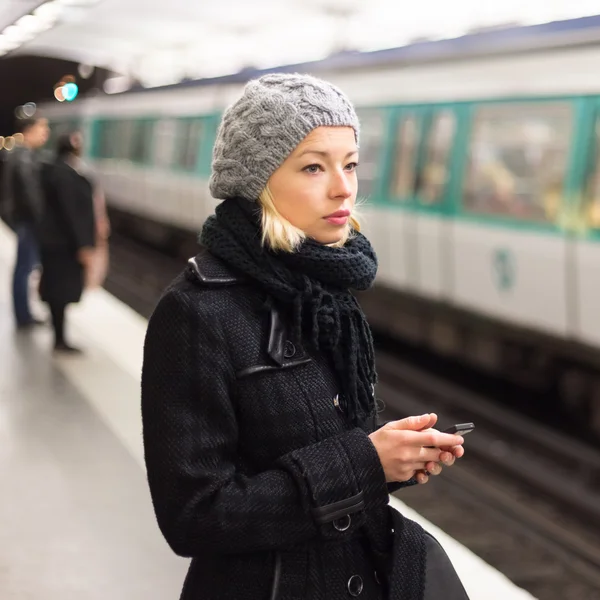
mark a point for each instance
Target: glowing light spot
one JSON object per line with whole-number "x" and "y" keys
{"x": 70, "y": 91}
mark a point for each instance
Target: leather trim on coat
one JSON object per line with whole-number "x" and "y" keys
{"x": 276, "y": 577}
{"x": 276, "y": 348}
{"x": 209, "y": 270}
{"x": 265, "y": 368}
{"x": 336, "y": 510}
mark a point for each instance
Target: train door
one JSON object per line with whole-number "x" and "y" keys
{"x": 510, "y": 251}
{"x": 584, "y": 224}
{"x": 421, "y": 181}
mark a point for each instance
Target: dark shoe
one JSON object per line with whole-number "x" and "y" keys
{"x": 64, "y": 348}
{"x": 30, "y": 324}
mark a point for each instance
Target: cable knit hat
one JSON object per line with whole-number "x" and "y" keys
{"x": 259, "y": 131}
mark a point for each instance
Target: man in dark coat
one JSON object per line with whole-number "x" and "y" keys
{"x": 23, "y": 205}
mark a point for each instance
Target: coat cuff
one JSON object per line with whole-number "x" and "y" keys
{"x": 398, "y": 485}
{"x": 343, "y": 478}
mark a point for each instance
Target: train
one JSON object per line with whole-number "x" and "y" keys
{"x": 479, "y": 181}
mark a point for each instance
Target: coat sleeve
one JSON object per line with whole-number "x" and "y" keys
{"x": 202, "y": 503}
{"x": 26, "y": 192}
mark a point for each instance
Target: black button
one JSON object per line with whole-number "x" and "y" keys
{"x": 355, "y": 585}
{"x": 343, "y": 524}
{"x": 289, "y": 349}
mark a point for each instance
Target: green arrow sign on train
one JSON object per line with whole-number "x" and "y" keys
{"x": 504, "y": 269}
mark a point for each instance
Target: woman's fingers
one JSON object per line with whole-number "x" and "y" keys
{"x": 429, "y": 454}
{"x": 458, "y": 451}
{"x": 447, "y": 458}
{"x": 421, "y": 477}
{"x": 433, "y": 468}
{"x": 430, "y": 469}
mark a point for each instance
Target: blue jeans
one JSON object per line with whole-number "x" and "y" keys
{"x": 27, "y": 259}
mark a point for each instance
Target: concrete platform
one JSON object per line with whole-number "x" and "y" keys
{"x": 76, "y": 521}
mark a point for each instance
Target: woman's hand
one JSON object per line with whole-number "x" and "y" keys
{"x": 448, "y": 455}
{"x": 403, "y": 449}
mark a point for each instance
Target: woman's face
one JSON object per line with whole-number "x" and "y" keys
{"x": 315, "y": 187}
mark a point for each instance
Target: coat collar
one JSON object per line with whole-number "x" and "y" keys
{"x": 207, "y": 270}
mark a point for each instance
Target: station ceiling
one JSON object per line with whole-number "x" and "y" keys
{"x": 164, "y": 42}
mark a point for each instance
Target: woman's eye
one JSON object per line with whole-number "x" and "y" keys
{"x": 312, "y": 168}
{"x": 351, "y": 166}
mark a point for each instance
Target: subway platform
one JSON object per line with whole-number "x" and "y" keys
{"x": 76, "y": 519}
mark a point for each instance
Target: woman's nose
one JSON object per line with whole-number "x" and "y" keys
{"x": 341, "y": 186}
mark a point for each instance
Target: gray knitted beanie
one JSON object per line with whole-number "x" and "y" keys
{"x": 259, "y": 131}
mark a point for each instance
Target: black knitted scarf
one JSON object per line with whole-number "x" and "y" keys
{"x": 314, "y": 282}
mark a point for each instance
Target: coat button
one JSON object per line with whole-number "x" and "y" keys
{"x": 336, "y": 403}
{"x": 355, "y": 585}
{"x": 289, "y": 349}
{"x": 343, "y": 524}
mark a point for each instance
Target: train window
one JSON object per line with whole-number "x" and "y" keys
{"x": 436, "y": 173}
{"x": 406, "y": 156}
{"x": 123, "y": 137}
{"x": 164, "y": 142}
{"x": 592, "y": 205}
{"x": 187, "y": 144}
{"x": 140, "y": 143}
{"x": 371, "y": 140}
{"x": 106, "y": 141}
{"x": 518, "y": 160}
{"x": 114, "y": 139}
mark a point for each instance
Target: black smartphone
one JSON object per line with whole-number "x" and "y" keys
{"x": 460, "y": 428}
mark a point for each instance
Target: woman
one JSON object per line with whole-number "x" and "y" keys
{"x": 264, "y": 461}
{"x": 67, "y": 234}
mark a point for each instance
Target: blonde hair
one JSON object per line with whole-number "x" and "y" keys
{"x": 279, "y": 234}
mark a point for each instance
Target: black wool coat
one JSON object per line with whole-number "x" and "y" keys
{"x": 253, "y": 468}
{"x": 67, "y": 225}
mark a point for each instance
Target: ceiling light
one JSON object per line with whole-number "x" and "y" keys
{"x": 85, "y": 70}
{"x": 116, "y": 85}
{"x": 6, "y": 45}
{"x": 48, "y": 12}
{"x": 77, "y": 2}
{"x": 16, "y": 34}
{"x": 29, "y": 109}
{"x": 32, "y": 24}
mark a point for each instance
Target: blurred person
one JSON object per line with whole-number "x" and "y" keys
{"x": 264, "y": 459}
{"x": 22, "y": 209}
{"x": 67, "y": 233}
{"x": 3, "y": 185}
